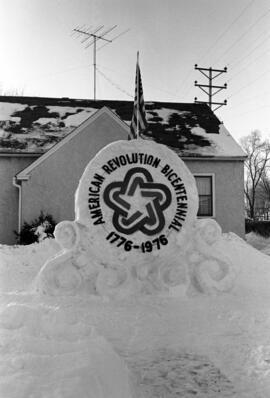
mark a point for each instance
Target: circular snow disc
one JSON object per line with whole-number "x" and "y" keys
{"x": 134, "y": 197}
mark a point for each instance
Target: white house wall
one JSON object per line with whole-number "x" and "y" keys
{"x": 53, "y": 182}
{"x": 9, "y": 196}
{"x": 229, "y": 191}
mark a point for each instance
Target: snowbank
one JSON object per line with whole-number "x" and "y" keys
{"x": 253, "y": 267}
{"x": 198, "y": 344}
{"x": 48, "y": 353}
{"x": 19, "y": 265}
{"x": 259, "y": 242}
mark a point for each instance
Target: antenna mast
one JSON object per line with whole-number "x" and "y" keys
{"x": 90, "y": 38}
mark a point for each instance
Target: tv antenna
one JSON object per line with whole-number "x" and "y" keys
{"x": 90, "y": 36}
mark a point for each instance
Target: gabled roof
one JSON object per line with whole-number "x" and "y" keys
{"x": 34, "y": 125}
{"x": 24, "y": 174}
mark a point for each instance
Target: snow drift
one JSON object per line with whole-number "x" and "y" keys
{"x": 49, "y": 343}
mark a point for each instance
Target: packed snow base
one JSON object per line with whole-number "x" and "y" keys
{"x": 186, "y": 342}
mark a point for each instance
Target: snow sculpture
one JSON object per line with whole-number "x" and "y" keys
{"x": 210, "y": 271}
{"x": 136, "y": 230}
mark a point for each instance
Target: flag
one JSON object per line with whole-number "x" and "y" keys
{"x": 138, "y": 121}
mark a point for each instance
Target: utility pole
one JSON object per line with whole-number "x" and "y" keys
{"x": 91, "y": 37}
{"x": 209, "y": 89}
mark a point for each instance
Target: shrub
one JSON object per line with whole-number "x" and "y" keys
{"x": 36, "y": 231}
{"x": 260, "y": 227}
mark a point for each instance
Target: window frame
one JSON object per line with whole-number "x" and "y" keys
{"x": 213, "y": 187}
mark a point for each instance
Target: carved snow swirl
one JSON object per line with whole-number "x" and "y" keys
{"x": 208, "y": 232}
{"x": 66, "y": 234}
{"x": 210, "y": 274}
{"x": 147, "y": 278}
{"x": 59, "y": 277}
{"x": 145, "y": 271}
{"x": 213, "y": 276}
{"x": 173, "y": 275}
{"x": 110, "y": 282}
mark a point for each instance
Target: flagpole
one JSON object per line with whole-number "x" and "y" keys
{"x": 138, "y": 120}
{"x": 137, "y": 74}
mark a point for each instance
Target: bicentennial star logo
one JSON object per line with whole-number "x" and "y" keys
{"x": 138, "y": 203}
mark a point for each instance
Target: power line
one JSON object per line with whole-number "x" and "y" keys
{"x": 251, "y": 111}
{"x": 185, "y": 80}
{"x": 245, "y": 32}
{"x": 225, "y": 31}
{"x": 250, "y": 83}
{"x": 113, "y": 83}
{"x": 261, "y": 95}
{"x": 251, "y": 62}
{"x": 241, "y": 59}
{"x": 60, "y": 72}
{"x": 213, "y": 46}
{"x": 187, "y": 76}
{"x": 188, "y": 89}
{"x": 145, "y": 84}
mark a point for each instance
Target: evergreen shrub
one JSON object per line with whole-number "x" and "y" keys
{"x": 37, "y": 230}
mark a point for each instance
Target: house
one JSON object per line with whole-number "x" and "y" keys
{"x": 262, "y": 202}
{"x": 45, "y": 144}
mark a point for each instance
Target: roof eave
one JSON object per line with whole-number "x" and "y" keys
{"x": 21, "y": 154}
{"x": 220, "y": 158}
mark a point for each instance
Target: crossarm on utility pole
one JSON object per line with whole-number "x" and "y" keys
{"x": 209, "y": 89}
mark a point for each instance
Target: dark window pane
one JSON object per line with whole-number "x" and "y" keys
{"x": 205, "y": 206}
{"x": 204, "y": 186}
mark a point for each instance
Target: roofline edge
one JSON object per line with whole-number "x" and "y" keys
{"x": 24, "y": 174}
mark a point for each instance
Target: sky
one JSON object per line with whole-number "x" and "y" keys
{"x": 41, "y": 55}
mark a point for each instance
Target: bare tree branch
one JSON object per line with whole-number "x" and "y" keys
{"x": 256, "y": 165}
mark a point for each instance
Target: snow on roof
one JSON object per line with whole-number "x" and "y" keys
{"x": 222, "y": 143}
{"x": 7, "y": 110}
{"x": 34, "y": 125}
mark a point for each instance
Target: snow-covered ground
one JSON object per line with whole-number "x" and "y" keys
{"x": 259, "y": 242}
{"x": 197, "y": 346}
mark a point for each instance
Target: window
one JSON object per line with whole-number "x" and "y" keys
{"x": 205, "y": 191}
